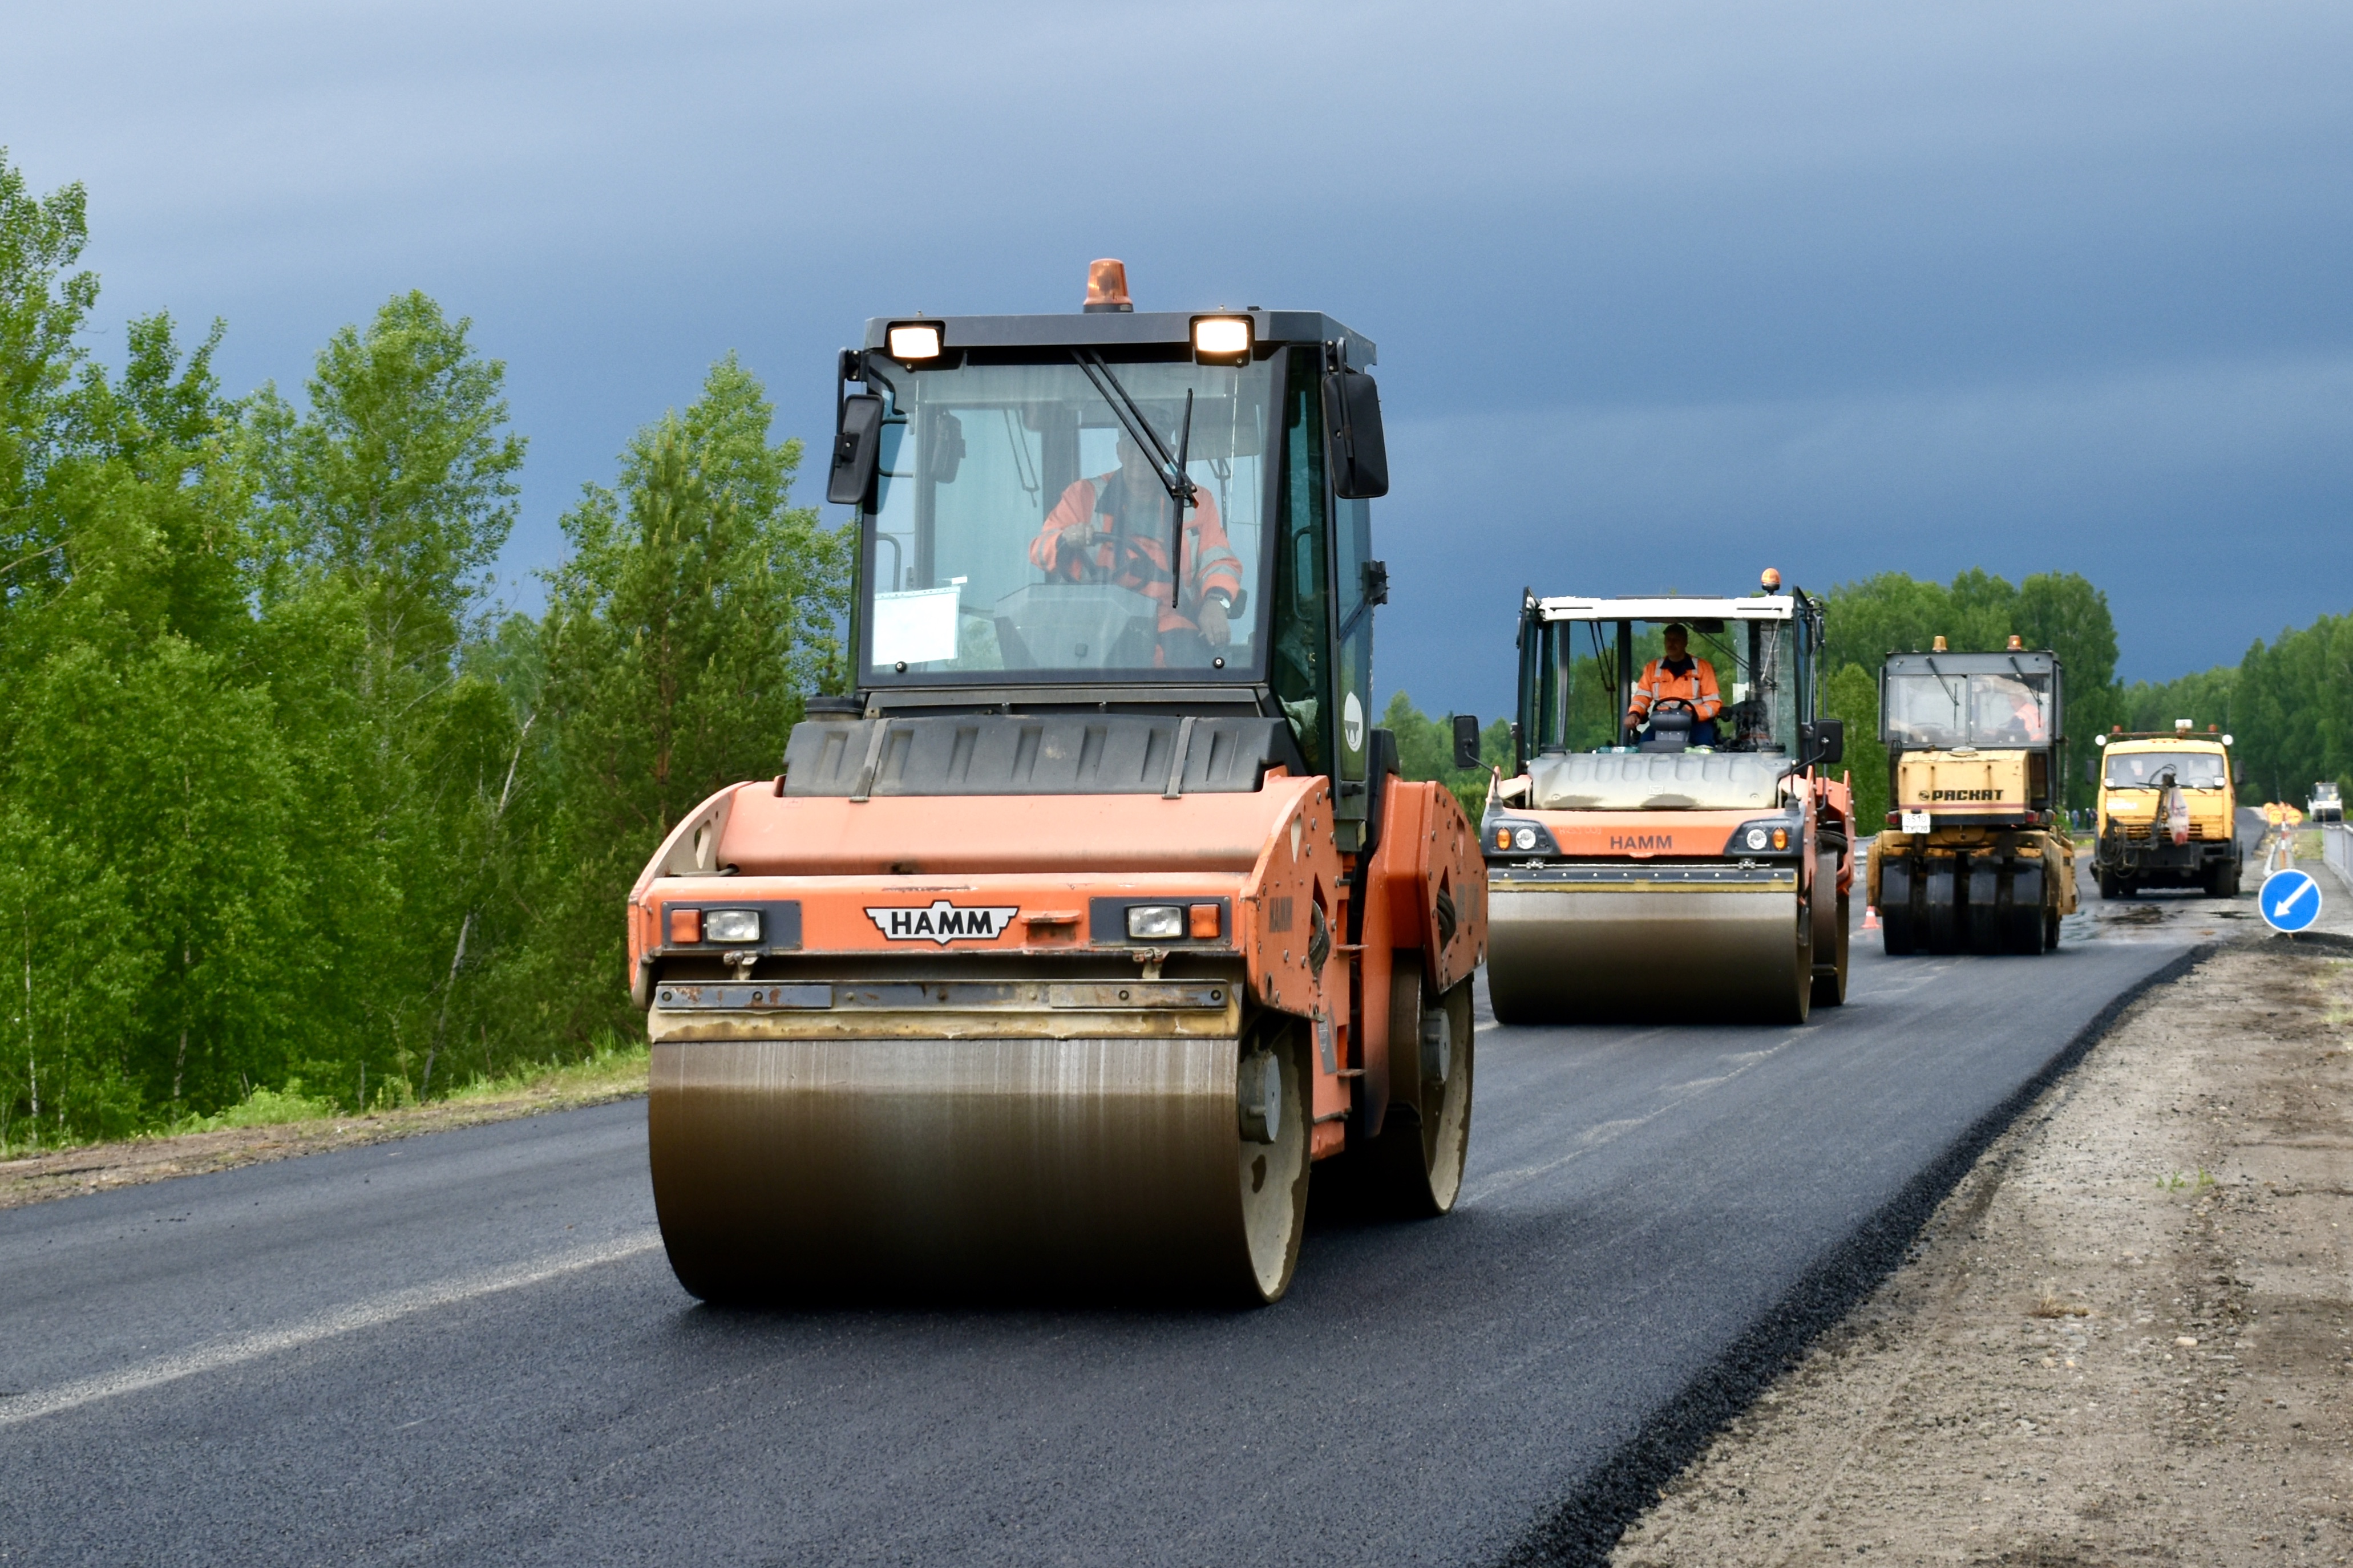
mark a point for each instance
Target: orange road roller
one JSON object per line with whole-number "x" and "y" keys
{"x": 1067, "y": 946}
{"x": 1671, "y": 847}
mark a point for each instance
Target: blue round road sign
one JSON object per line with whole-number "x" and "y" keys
{"x": 2290, "y": 900}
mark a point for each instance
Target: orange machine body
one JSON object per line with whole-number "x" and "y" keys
{"x": 977, "y": 882}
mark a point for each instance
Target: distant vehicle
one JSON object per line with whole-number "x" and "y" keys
{"x": 2324, "y": 805}
{"x": 2169, "y": 812}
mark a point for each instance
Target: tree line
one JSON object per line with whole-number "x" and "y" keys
{"x": 286, "y": 799}
{"x": 2287, "y": 706}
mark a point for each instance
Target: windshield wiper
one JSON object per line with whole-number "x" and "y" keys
{"x": 1168, "y": 468}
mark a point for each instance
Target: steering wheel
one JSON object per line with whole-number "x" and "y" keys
{"x": 1085, "y": 541}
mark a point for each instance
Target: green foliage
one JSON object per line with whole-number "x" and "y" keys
{"x": 1426, "y": 751}
{"x": 2060, "y": 611}
{"x": 2288, "y": 705}
{"x": 694, "y": 614}
{"x": 289, "y": 819}
{"x": 1852, "y": 694}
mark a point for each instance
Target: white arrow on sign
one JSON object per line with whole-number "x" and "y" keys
{"x": 2280, "y": 910}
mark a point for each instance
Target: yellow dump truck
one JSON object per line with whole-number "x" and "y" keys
{"x": 2169, "y": 812}
{"x": 1974, "y": 858}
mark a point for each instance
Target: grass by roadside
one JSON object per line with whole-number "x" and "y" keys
{"x": 273, "y": 1126}
{"x": 2125, "y": 1337}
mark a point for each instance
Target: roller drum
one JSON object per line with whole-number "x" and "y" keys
{"x": 1984, "y": 910}
{"x": 1899, "y": 931}
{"x": 1590, "y": 953}
{"x": 801, "y": 1168}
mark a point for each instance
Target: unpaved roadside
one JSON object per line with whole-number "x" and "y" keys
{"x": 95, "y": 1167}
{"x": 2126, "y": 1336}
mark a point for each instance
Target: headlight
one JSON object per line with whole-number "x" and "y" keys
{"x": 1525, "y": 838}
{"x": 731, "y": 925}
{"x": 1156, "y": 921}
{"x": 914, "y": 342}
{"x": 1222, "y": 340}
{"x": 1756, "y": 839}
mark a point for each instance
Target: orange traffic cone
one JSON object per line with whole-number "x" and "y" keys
{"x": 1871, "y": 917}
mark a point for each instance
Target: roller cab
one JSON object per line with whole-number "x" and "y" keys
{"x": 1974, "y": 857}
{"x": 1064, "y": 948}
{"x": 1671, "y": 854}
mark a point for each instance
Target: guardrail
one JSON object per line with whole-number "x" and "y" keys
{"x": 2337, "y": 849}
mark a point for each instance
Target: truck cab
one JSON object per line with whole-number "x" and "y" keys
{"x": 2168, "y": 810}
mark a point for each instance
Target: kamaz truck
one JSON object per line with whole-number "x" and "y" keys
{"x": 2169, "y": 813}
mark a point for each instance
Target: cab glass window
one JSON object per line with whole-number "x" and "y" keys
{"x": 1022, "y": 530}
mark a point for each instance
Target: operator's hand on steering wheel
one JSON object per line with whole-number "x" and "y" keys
{"x": 1076, "y": 546}
{"x": 1670, "y": 705}
{"x": 1215, "y": 630}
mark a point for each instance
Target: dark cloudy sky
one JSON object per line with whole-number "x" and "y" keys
{"x": 1665, "y": 292}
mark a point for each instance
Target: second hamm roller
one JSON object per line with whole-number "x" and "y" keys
{"x": 1097, "y": 919}
{"x": 1671, "y": 846}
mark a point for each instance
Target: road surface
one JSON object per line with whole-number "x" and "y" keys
{"x": 467, "y": 1348}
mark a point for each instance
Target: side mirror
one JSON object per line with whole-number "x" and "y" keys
{"x": 1826, "y": 741}
{"x": 2238, "y": 772}
{"x": 2092, "y": 771}
{"x": 1352, "y": 416}
{"x": 1466, "y": 740}
{"x": 857, "y": 450}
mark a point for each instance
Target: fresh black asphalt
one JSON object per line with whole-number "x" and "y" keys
{"x": 464, "y": 1348}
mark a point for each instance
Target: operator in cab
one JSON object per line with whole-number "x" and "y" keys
{"x": 1114, "y": 529}
{"x": 1676, "y": 683}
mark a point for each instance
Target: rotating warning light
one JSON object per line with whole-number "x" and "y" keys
{"x": 914, "y": 340}
{"x": 1222, "y": 340}
{"x": 1771, "y": 580}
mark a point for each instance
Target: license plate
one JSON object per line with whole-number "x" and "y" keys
{"x": 1916, "y": 822}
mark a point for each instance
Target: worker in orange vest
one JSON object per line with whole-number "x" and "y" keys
{"x": 1676, "y": 683}
{"x": 1113, "y": 527}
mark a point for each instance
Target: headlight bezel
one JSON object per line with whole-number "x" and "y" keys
{"x": 1789, "y": 831}
{"x": 1520, "y": 837}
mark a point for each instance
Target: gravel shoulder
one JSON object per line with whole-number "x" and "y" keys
{"x": 2125, "y": 1337}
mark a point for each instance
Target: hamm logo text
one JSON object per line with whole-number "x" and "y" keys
{"x": 943, "y": 922}
{"x": 1638, "y": 841}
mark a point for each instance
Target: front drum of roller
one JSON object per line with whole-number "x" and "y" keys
{"x": 799, "y": 1169}
{"x": 1655, "y": 952}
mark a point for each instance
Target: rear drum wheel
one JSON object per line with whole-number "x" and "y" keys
{"x": 1415, "y": 1166}
{"x": 2025, "y": 920}
{"x": 1830, "y": 980}
{"x": 1898, "y": 933}
{"x": 1944, "y": 915}
{"x": 1985, "y": 905}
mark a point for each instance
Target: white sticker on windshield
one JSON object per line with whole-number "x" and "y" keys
{"x": 915, "y": 627}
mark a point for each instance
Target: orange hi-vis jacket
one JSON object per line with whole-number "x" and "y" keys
{"x": 1139, "y": 555}
{"x": 1695, "y": 686}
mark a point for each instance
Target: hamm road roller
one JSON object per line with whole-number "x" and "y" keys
{"x": 1063, "y": 948}
{"x": 1975, "y": 858}
{"x": 1670, "y": 847}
